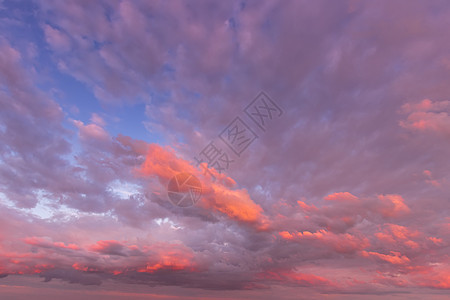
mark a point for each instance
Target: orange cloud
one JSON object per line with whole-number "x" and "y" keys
{"x": 341, "y": 243}
{"x": 438, "y": 280}
{"x": 164, "y": 164}
{"x": 306, "y": 207}
{"x": 393, "y": 233}
{"x": 344, "y": 197}
{"x": 84, "y": 267}
{"x": 286, "y": 235}
{"x": 69, "y": 246}
{"x": 436, "y": 241}
{"x": 217, "y": 196}
{"x": 169, "y": 257}
{"x": 394, "y": 257}
{"x": 393, "y": 205}
{"x": 23, "y": 263}
{"x": 237, "y": 204}
{"x": 169, "y": 261}
{"x": 147, "y": 259}
{"x": 303, "y": 234}
{"x": 402, "y": 232}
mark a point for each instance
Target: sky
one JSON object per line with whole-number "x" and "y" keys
{"x": 319, "y": 132}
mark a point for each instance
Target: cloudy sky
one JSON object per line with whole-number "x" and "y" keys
{"x": 319, "y": 130}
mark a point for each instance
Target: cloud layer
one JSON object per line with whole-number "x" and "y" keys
{"x": 345, "y": 193}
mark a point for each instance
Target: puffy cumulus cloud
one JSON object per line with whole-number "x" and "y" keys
{"x": 393, "y": 205}
{"x": 38, "y": 160}
{"x": 82, "y": 260}
{"x": 72, "y": 257}
{"x": 105, "y": 259}
{"x": 388, "y": 248}
{"x": 217, "y": 195}
{"x": 91, "y": 131}
{"x": 164, "y": 164}
{"x": 398, "y": 234}
{"x": 237, "y": 204}
{"x": 76, "y": 186}
{"x": 343, "y": 211}
{"x": 131, "y": 49}
{"x": 31, "y": 134}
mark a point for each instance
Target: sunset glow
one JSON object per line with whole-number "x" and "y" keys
{"x": 206, "y": 149}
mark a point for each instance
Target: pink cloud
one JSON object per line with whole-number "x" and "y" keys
{"x": 345, "y": 196}
{"x": 393, "y": 205}
{"x": 427, "y": 116}
{"x": 394, "y": 257}
{"x": 300, "y": 279}
{"x": 57, "y": 39}
{"x": 91, "y": 131}
{"x": 340, "y": 243}
{"x": 430, "y": 179}
{"x": 108, "y": 247}
{"x": 42, "y": 242}
{"x": 439, "y": 279}
{"x": 265, "y": 222}
{"x": 399, "y": 234}
{"x": 220, "y": 196}
{"x": 96, "y": 119}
